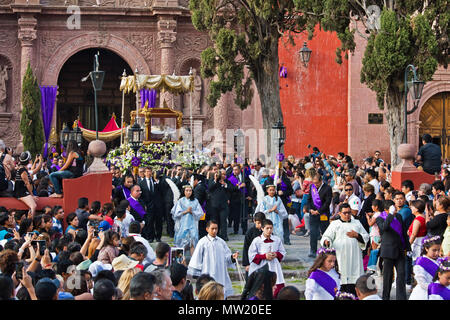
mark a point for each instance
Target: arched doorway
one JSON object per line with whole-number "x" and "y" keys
{"x": 435, "y": 120}
{"x": 76, "y": 98}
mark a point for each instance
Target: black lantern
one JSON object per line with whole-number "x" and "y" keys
{"x": 305, "y": 54}
{"x": 135, "y": 137}
{"x": 76, "y": 134}
{"x": 280, "y": 133}
{"x": 64, "y": 135}
{"x": 416, "y": 88}
{"x": 97, "y": 78}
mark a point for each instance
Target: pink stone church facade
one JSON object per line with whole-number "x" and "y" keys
{"x": 157, "y": 37}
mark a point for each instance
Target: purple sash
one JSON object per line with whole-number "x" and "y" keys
{"x": 137, "y": 206}
{"x": 315, "y": 196}
{"x": 325, "y": 281}
{"x": 283, "y": 185}
{"x": 428, "y": 265}
{"x": 126, "y": 192}
{"x": 439, "y": 289}
{"x": 395, "y": 225}
{"x": 235, "y": 182}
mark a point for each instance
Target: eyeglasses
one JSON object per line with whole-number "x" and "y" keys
{"x": 346, "y": 212}
{"x": 348, "y": 189}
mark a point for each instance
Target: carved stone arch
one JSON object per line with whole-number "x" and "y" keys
{"x": 187, "y": 63}
{"x": 120, "y": 46}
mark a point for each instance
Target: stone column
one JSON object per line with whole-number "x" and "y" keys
{"x": 221, "y": 122}
{"x": 167, "y": 36}
{"x": 27, "y": 34}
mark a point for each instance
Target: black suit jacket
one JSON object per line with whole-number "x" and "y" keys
{"x": 366, "y": 207}
{"x": 136, "y": 215}
{"x": 391, "y": 244}
{"x": 200, "y": 192}
{"x": 219, "y": 195}
{"x": 148, "y": 196}
{"x": 326, "y": 195}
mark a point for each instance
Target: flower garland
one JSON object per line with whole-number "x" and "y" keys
{"x": 157, "y": 156}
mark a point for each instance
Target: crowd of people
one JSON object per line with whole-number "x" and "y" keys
{"x": 358, "y": 226}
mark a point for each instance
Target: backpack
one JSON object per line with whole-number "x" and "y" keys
{"x": 3, "y": 180}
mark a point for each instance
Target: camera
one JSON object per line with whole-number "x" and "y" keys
{"x": 42, "y": 246}
{"x": 19, "y": 267}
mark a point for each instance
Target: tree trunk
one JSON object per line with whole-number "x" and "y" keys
{"x": 268, "y": 86}
{"x": 396, "y": 126}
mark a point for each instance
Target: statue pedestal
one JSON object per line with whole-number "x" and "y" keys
{"x": 97, "y": 148}
{"x": 406, "y": 169}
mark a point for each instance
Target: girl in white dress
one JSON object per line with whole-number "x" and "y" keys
{"x": 323, "y": 278}
{"x": 273, "y": 208}
{"x": 426, "y": 267}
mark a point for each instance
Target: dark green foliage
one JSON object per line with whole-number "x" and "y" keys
{"x": 31, "y": 126}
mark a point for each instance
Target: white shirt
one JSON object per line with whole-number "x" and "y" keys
{"x": 124, "y": 224}
{"x": 151, "y": 256}
{"x": 408, "y": 196}
{"x": 376, "y": 185}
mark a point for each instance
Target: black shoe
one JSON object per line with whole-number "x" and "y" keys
{"x": 288, "y": 243}
{"x": 311, "y": 255}
{"x": 158, "y": 240}
{"x": 150, "y": 240}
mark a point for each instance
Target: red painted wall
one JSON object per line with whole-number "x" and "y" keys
{"x": 314, "y": 98}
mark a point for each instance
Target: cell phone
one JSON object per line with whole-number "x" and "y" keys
{"x": 176, "y": 255}
{"x": 30, "y": 234}
{"x": 42, "y": 246}
{"x": 19, "y": 267}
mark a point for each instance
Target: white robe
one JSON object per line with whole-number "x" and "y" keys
{"x": 423, "y": 279}
{"x": 212, "y": 256}
{"x": 313, "y": 291}
{"x": 186, "y": 226}
{"x": 258, "y": 246}
{"x": 276, "y": 218}
{"x": 348, "y": 250}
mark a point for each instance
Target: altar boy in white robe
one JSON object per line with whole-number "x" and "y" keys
{"x": 349, "y": 238}
{"x": 212, "y": 256}
{"x": 267, "y": 249}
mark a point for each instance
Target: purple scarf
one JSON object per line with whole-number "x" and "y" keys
{"x": 235, "y": 182}
{"x": 428, "y": 265}
{"x": 395, "y": 225}
{"x": 315, "y": 196}
{"x": 126, "y": 191}
{"x": 137, "y": 206}
{"x": 283, "y": 185}
{"x": 439, "y": 289}
{"x": 325, "y": 281}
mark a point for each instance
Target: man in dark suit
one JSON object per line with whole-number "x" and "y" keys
{"x": 319, "y": 216}
{"x": 153, "y": 224}
{"x": 394, "y": 245}
{"x": 167, "y": 204}
{"x": 238, "y": 194}
{"x": 218, "y": 188}
{"x": 200, "y": 193}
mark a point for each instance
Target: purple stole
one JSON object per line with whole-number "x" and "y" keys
{"x": 428, "y": 265}
{"x": 235, "y": 182}
{"x": 395, "y": 225}
{"x": 136, "y": 206}
{"x": 439, "y": 289}
{"x": 126, "y": 191}
{"x": 315, "y": 196}
{"x": 325, "y": 281}
{"x": 283, "y": 185}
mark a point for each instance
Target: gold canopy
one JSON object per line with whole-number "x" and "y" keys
{"x": 171, "y": 83}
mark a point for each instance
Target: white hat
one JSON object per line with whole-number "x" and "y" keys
{"x": 122, "y": 262}
{"x": 98, "y": 266}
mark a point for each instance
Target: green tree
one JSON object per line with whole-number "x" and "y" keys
{"x": 31, "y": 126}
{"x": 245, "y": 34}
{"x": 407, "y": 32}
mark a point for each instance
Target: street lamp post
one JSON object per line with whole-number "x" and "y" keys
{"x": 97, "y": 78}
{"x": 417, "y": 87}
{"x": 64, "y": 135}
{"x": 280, "y": 131}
